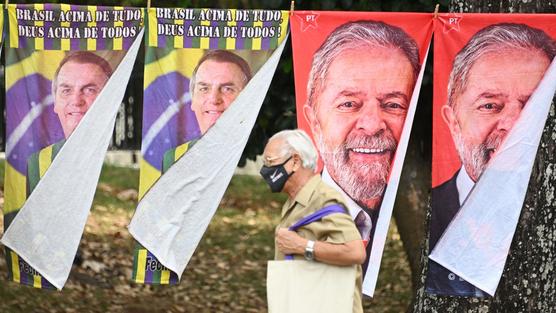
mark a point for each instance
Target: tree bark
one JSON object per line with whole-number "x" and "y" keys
{"x": 528, "y": 282}
{"x": 415, "y": 182}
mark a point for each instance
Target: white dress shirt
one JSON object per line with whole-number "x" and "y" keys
{"x": 464, "y": 183}
{"x": 353, "y": 207}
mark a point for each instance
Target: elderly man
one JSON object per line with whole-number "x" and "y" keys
{"x": 289, "y": 166}
{"x": 77, "y": 82}
{"x": 492, "y": 78}
{"x": 359, "y": 89}
{"x": 217, "y": 80}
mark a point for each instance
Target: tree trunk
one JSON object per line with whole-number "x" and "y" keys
{"x": 528, "y": 282}
{"x": 415, "y": 181}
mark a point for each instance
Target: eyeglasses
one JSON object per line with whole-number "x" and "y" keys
{"x": 269, "y": 161}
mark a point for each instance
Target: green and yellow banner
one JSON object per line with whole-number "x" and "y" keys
{"x": 1, "y": 26}
{"x": 59, "y": 57}
{"x": 197, "y": 61}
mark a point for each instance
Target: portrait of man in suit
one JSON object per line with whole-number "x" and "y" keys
{"x": 491, "y": 80}
{"x": 358, "y": 93}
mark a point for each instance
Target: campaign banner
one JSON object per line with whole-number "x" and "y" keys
{"x": 66, "y": 68}
{"x": 493, "y": 88}
{"x": 357, "y": 81}
{"x": 206, "y": 75}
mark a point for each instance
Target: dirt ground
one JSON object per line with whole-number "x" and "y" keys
{"x": 226, "y": 274}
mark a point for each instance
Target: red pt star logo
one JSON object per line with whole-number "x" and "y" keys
{"x": 308, "y": 20}
{"x": 451, "y": 21}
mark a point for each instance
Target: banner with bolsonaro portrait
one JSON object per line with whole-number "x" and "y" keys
{"x": 493, "y": 86}
{"x": 357, "y": 81}
{"x": 206, "y": 75}
{"x": 66, "y": 71}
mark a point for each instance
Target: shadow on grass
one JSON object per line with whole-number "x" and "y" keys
{"x": 226, "y": 274}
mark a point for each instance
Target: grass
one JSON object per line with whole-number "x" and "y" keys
{"x": 226, "y": 274}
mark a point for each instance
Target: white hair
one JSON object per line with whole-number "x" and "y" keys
{"x": 297, "y": 141}
{"x": 357, "y": 35}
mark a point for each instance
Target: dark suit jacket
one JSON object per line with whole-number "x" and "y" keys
{"x": 373, "y": 214}
{"x": 445, "y": 205}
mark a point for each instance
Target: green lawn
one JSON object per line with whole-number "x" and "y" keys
{"x": 226, "y": 274}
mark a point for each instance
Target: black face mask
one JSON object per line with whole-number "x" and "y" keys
{"x": 275, "y": 176}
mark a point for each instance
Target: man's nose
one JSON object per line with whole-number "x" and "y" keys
{"x": 78, "y": 99}
{"x": 370, "y": 119}
{"x": 508, "y": 118}
{"x": 215, "y": 96}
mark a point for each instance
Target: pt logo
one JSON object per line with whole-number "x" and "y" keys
{"x": 451, "y": 21}
{"x": 308, "y": 20}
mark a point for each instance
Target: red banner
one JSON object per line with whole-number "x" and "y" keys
{"x": 452, "y": 32}
{"x": 486, "y": 67}
{"x": 355, "y": 75}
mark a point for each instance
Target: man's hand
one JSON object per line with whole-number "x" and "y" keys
{"x": 351, "y": 252}
{"x": 289, "y": 242}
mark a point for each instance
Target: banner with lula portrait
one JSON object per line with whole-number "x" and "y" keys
{"x": 357, "y": 81}
{"x": 493, "y": 86}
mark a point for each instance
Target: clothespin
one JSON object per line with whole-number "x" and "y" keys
{"x": 148, "y": 4}
{"x": 435, "y": 10}
{"x": 292, "y": 6}
{"x": 6, "y": 3}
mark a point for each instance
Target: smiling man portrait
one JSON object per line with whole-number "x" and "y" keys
{"x": 491, "y": 81}
{"x": 77, "y": 82}
{"x": 361, "y": 81}
{"x": 217, "y": 80}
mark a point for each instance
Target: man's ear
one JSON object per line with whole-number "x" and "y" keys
{"x": 297, "y": 162}
{"x": 309, "y": 114}
{"x": 449, "y": 117}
